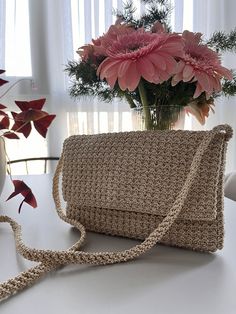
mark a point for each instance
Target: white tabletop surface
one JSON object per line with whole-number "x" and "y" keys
{"x": 166, "y": 280}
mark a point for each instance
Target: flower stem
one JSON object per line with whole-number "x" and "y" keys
{"x": 146, "y": 111}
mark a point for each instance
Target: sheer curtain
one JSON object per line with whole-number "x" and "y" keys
{"x": 210, "y": 16}
{"x": 2, "y": 33}
{"x": 58, "y": 28}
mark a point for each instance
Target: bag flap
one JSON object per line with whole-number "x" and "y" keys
{"x": 142, "y": 172}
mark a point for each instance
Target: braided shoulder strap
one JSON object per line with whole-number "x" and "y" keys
{"x": 50, "y": 260}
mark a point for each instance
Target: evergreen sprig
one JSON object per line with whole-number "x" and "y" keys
{"x": 229, "y": 87}
{"x": 127, "y": 14}
{"x": 222, "y": 42}
{"x": 85, "y": 82}
{"x": 157, "y": 10}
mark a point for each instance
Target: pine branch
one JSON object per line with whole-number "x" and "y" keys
{"x": 161, "y": 2}
{"x": 128, "y": 13}
{"x": 157, "y": 10}
{"x": 229, "y": 87}
{"x": 222, "y": 42}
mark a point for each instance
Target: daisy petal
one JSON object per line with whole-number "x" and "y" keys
{"x": 187, "y": 73}
{"x": 198, "y": 91}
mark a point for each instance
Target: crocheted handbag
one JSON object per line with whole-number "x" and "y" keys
{"x": 158, "y": 186}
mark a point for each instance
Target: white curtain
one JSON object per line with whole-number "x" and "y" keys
{"x": 2, "y": 33}
{"x": 56, "y": 32}
{"x": 51, "y": 47}
{"x": 210, "y": 16}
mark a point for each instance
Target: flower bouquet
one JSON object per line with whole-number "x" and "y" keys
{"x": 157, "y": 71}
{"x": 30, "y": 112}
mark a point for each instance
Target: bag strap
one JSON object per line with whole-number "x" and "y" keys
{"x": 50, "y": 260}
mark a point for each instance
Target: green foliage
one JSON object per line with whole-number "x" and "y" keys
{"x": 222, "y": 42}
{"x": 229, "y": 87}
{"x": 179, "y": 95}
{"x": 157, "y": 10}
{"x": 85, "y": 82}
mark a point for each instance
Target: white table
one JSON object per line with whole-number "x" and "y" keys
{"x": 166, "y": 280}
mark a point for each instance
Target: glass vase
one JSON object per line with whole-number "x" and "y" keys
{"x": 165, "y": 117}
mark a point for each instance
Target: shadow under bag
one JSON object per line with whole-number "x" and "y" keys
{"x": 157, "y": 186}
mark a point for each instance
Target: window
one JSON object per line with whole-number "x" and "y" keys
{"x": 33, "y": 146}
{"x": 17, "y": 38}
{"x": 92, "y": 18}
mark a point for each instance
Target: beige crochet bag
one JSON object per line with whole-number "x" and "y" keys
{"x": 158, "y": 186}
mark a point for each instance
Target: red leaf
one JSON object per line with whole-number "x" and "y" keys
{"x": 20, "y": 187}
{"x": 2, "y": 82}
{"x": 4, "y": 123}
{"x": 42, "y": 125}
{"x": 2, "y": 113}
{"x": 23, "y": 105}
{"x": 2, "y": 106}
{"x": 22, "y": 127}
{"x": 24, "y": 190}
{"x": 30, "y": 199}
{"x": 30, "y": 115}
{"x": 37, "y": 103}
{"x": 34, "y": 104}
{"x": 11, "y": 135}
{"x": 14, "y": 115}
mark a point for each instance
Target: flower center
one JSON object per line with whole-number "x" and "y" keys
{"x": 199, "y": 63}
{"x": 133, "y": 47}
{"x": 134, "y": 43}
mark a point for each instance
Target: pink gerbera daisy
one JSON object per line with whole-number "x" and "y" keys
{"x": 99, "y": 46}
{"x": 140, "y": 54}
{"x": 200, "y": 64}
{"x": 201, "y": 112}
